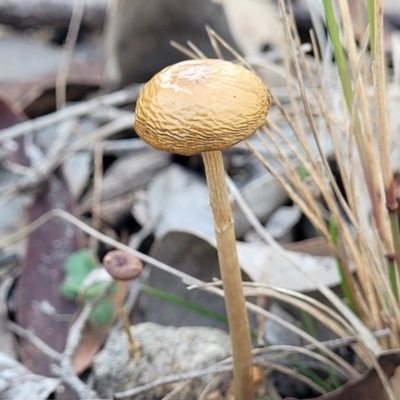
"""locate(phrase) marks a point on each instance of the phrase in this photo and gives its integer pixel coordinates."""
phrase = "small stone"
(164, 351)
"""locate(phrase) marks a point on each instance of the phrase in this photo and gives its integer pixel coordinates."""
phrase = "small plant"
(76, 286)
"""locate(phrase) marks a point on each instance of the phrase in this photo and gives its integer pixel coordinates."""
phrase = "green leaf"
(79, 263)
(102, 313)
(93, 290)
(69, 288)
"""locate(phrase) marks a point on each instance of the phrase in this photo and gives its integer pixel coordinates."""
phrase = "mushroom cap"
(121, 265)
(200, 105)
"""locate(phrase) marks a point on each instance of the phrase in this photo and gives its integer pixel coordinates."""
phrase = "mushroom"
(205, 106)
(123, 266)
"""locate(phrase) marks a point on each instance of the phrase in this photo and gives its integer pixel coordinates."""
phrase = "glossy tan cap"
(200, 105)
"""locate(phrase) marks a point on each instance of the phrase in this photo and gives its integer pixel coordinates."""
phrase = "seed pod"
(122, 265)
(200, 105)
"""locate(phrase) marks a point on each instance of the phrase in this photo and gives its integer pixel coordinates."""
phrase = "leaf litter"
(167, 206)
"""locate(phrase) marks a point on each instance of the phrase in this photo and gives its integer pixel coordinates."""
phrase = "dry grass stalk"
(364, 163)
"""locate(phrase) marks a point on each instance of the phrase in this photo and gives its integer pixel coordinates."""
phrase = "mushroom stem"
(231, 276)
(134, 347)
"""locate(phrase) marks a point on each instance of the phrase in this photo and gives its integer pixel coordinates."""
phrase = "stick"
(124, 96)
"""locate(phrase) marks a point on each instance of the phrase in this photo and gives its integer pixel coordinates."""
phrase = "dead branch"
(124, 96)
(174, 378)
(32, 338)
(33, 176)
(64, 369)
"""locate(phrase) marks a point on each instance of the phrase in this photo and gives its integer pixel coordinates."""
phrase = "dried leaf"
(38, 304)
(43, 269)
(282, 220)
(77, 169)
(11, 212)
(314, 246)
(129, 174)
(179, 200)
(264, 264)
(263, 195)
(17, 382)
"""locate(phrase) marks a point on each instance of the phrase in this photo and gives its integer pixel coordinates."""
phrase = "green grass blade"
(180, 302)
(309, 324)
(343, 282)
(371, 18)
(309, 373)
(338, 52)
(393, 279)
(334, 380)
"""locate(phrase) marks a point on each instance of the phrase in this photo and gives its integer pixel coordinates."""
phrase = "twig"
(226, 366)
(67, 53)
(31, 337)
(97, 189)
(195, 49)
(216, 283)
(76, 329)
(213, 383)
(223, 43)
(124, 96)
(214, 43)
(211, 370)
(334, 343)
(174, 378)
(43, 169)
(40, 166)
(65, 369)
(12, 238)
(105, 114)
(62, 136)
(188, 53)
(175, 392)
(112, 70)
